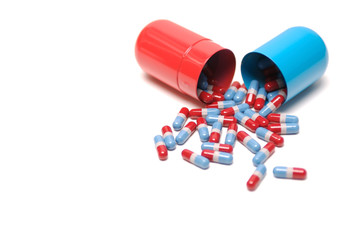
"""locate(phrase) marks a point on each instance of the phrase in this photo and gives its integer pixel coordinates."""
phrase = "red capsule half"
(275, 84)
(204, 96)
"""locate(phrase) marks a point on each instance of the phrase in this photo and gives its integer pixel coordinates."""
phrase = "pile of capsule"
(252, 109)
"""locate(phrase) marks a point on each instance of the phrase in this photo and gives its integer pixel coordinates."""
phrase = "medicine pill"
(275, 84)
(260, 99)
(272, 106)
(169, 140)
(203, 112)
(252, 93)
(204, 96)
(232, 110)
(256, 177)
(247, 141)
(273, 94)
(216, 96)
(225, 120)
(282, 118)
(181, 119)
(215, 88)
(185, 133)
(202, 129)
(284, 128)
(229, 94)
(231, 134)
(215, 132)
(217, 147)
(202, 82)
(246, 122)
(195, 159)
(240, 94)
(221, 104)
(263, 122)
(218, 157)
(161, 148)
(269, 136)
(263, 154)
(290, 172)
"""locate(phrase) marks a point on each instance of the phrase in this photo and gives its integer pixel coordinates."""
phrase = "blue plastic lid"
(300, 55)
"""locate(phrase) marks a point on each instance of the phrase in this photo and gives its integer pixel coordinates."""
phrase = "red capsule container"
(176, 56)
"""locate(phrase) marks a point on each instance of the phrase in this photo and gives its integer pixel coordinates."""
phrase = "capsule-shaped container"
(299, 54)
(176, 56)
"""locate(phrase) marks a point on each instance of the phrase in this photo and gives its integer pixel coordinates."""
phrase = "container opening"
(259, 67)
(219, 69)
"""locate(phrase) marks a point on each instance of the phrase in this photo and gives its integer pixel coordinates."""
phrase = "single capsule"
(195, 159)
(263, 154)
(284, 128)
(246, 122)
(203, 112)
(252, 93)
(247, 141)
(161, 148)
(217, 97)
(185, 133)
(218, 89)
(202, 81)
(168, 138)
(218, 157)
(274, 84)
(204, 96)
(272, 106)
(231, 134)
(217, 147)
(262, 122)
(269, 136)
(260, 99)
(282, 118)
(202, 129)
(181, 119)
(256, 177)
(240, 94)
(232, 110)
(221, 104)
(232, 90)
(225, 120)
(290, 172)
(215, 132)
(273, 94)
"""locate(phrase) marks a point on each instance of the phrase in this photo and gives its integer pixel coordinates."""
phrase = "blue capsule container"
(300, 55)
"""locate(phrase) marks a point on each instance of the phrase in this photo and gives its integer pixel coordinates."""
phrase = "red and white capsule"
(260, 99)
(246, 122)
(225, 120)
(204, 96)
(275, 84)
(269, 136)
(256, 177)
(282, 118)
(203, 112)
(290, 172)
(216, 96)
(252, 93)
(272, 106)
(218, 89)
(161, 148)
(215, 132)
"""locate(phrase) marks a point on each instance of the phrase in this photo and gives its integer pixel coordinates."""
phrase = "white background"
(78, 117)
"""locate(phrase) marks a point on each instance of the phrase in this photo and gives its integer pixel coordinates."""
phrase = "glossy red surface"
(176, 56)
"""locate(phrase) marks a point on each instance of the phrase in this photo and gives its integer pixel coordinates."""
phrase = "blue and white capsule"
(181, 119)
(231, 134)
(247, 141)
(202, 129)
(185, 133)
(195, 159)
(282, 118)
(202, 81)
(168, 138)
(263, 154)
(229, 94)
(218, 157)
(240, 94)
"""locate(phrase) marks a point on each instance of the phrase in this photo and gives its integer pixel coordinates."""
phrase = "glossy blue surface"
(239, 97)
(201, 162)
(225, 158)
(261, 132)
(259, 158)
(230, 139)
(178, 123)
(262, 169)
(182, 137)
(280, 172)
(203, 134)
(170, 142)
(299, 53)
(253, 146)
(158, 138)
(265, 111)
(202, 82)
